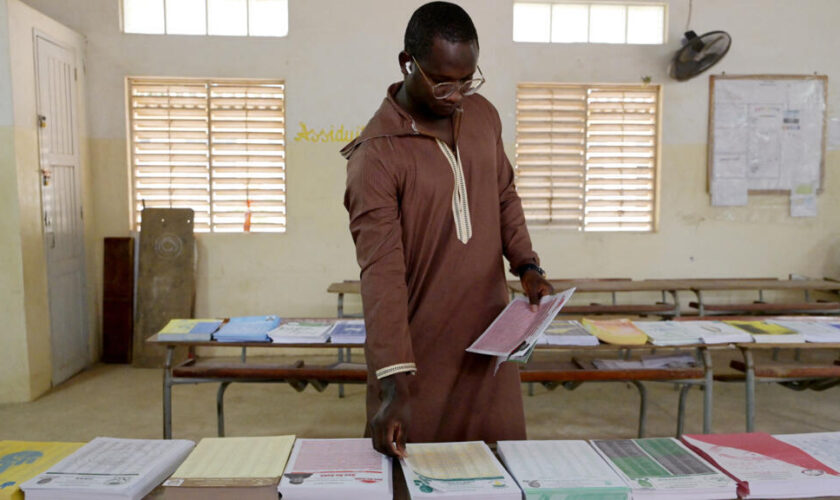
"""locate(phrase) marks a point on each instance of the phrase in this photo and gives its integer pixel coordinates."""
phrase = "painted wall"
(338, 59)
(29, 356)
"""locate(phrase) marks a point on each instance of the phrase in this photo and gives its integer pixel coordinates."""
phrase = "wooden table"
(300, 375)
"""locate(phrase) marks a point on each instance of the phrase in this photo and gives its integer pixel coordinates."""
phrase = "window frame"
(122, 13)
(656, 148)
(589, 4)
(134, 212)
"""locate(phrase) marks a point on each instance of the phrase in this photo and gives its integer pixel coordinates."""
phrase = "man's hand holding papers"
(514, 333)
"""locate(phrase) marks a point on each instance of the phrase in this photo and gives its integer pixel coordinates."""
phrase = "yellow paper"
(761, 327)
(615, 331)
(184, 325)
(237, 458)
(23, 460)
(448, 461)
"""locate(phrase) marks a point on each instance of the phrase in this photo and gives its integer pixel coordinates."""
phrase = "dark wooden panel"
(118, 300)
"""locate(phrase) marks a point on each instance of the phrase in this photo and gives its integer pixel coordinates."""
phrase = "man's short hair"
(437, 19)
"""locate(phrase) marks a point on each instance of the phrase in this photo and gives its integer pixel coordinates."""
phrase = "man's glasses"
(443, 90)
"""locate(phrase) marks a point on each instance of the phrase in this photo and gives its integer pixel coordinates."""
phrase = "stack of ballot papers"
(301, 332)
(664, 468)
(247, 468)
(675, 360)
(561, 470)
(716, 332)
(812, 330)
(766, 467)
(514, 333)
(824, 446)
(22, 460)
(666, 333)
(615, 331)
(247, 329)
(109, 468)
(348, 331)
(466, 470)
(562, 332)
(346, 469)
(191, 330)
(765, 332)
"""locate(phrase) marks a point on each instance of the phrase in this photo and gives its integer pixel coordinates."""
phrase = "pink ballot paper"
(764, 466)
(517, 329)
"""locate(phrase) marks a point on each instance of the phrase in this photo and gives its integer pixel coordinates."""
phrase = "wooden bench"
(760, 306)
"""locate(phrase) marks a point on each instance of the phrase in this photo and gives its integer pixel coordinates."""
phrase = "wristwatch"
(527, 267)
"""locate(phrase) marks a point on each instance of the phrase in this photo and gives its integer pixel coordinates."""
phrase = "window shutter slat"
(215, 146)
(586, 155)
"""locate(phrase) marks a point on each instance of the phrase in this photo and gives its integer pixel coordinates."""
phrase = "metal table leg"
(220, 407)
(708, 383)
(167, 393)
(642, 406)
(340, 360)
(750, 388)
(681, 408)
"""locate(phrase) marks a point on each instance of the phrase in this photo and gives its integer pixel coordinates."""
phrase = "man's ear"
(405, 63)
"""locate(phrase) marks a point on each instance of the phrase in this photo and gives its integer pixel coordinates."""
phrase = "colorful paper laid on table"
(247, 329)
(564, 332)
(766, 467)
(301, 332)
(561, 469)
(347, 469)
(456, 470)
(716, 332)
(349, 331)
(766, 332)
(192, 330)
(664, 468)
(615, 331)
(811, 330)
(667, 333)
(23, 460)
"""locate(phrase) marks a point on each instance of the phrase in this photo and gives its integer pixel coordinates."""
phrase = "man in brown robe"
(433, 209)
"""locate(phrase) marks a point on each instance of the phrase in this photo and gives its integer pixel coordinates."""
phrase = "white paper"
(127, 468)
(833, 134)
(729, 192)
(824, 446)
(803, 200)
(667, 333)
(546, 468)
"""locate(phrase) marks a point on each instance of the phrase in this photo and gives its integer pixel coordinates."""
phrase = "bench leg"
(530, 388)
(220, 408)
(749, 382)
(681, 408)
(167, 393)
(642, 406)
(340, 360)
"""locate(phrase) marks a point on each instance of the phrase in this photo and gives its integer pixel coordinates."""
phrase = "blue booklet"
(247, 329)
(348, 332)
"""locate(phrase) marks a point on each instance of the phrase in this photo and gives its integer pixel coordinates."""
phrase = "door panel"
(61, 195)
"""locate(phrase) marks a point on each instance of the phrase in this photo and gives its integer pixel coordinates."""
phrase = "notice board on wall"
(766, 134)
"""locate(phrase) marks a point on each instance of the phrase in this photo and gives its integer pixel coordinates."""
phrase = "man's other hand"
(535, 286)
(389, 427)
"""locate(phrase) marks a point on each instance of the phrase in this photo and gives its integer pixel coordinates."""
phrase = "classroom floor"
(121, 401)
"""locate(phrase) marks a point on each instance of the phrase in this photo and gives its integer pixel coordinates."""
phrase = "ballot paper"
(514, 333)
(466, 470)
(717, 332)
(811, 330)
(348, 331)
(564, 332)
(664, 468)
(764, 332)
(766, 467)
(667, 333)
(561, 469)
(234, 460)
(824, 446)
(22, 460)
(301, 332)
(347, 469)
(110, 468)
(615, 331)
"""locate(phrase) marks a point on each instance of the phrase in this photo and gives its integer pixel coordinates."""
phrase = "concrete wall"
(339, 57)
(26, 363)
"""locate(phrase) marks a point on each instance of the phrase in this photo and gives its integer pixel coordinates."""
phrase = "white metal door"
(61, 196)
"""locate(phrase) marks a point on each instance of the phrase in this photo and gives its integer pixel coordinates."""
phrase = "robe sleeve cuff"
(394, 369)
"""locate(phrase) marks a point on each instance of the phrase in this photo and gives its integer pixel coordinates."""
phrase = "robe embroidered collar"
(460, 203)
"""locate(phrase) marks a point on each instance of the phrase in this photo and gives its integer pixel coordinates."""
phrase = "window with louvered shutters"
(587, 155)
(216, 146)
